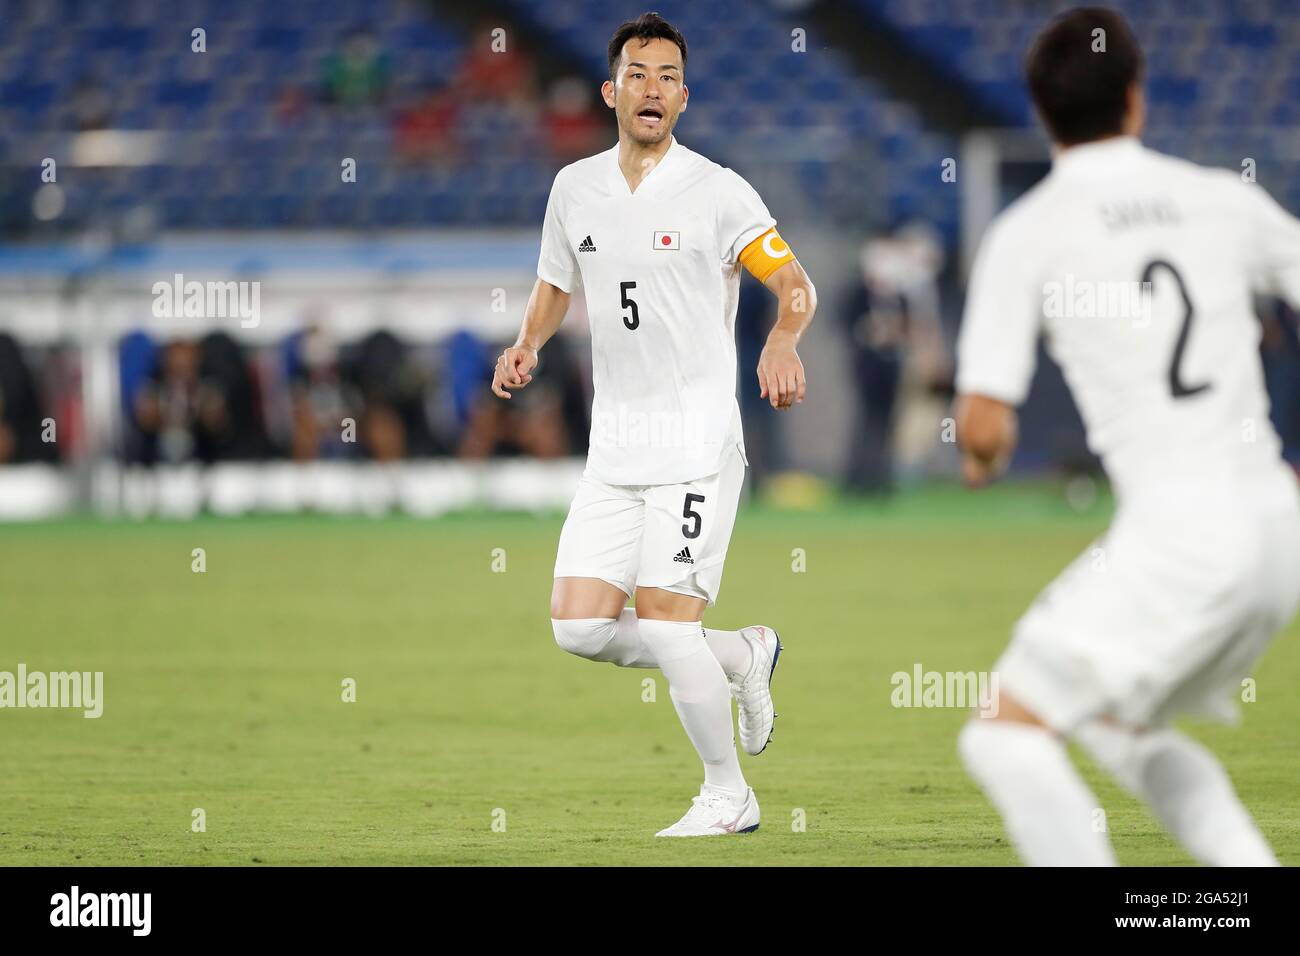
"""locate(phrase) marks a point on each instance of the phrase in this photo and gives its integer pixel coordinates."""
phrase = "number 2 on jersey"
(1176, 386)
(635, 320)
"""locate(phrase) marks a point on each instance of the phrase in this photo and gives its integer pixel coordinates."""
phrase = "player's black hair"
(1079, 77)
(647, 27)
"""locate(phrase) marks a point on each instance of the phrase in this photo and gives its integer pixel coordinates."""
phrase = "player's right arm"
(996, 348)
(557, 275)
(542, 317)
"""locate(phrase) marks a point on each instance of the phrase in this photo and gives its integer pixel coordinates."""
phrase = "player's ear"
(607, 93)
(686, 95)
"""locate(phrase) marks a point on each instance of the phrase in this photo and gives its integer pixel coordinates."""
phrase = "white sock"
(1186, 787)
(1049, 812)
(732, 651)
(699, 691)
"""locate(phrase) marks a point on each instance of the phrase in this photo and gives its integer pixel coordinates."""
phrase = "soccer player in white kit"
(656, 234)
(1167, 613)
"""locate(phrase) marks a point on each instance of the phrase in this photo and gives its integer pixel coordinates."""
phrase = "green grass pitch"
(223, 691)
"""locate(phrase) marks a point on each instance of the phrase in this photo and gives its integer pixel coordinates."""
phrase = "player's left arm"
(1275, 259)
(781, 378)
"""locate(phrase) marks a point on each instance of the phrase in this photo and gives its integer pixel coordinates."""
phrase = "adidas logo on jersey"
(684, 556)
(587, 245)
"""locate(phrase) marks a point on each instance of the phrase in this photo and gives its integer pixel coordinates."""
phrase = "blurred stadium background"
(359, 389)
(883, 134)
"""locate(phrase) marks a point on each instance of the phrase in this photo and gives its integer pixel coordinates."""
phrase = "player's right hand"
(513, 368)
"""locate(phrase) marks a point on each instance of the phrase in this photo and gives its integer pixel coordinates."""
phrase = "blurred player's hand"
(780, 374)
(513, 368)
(978, 472)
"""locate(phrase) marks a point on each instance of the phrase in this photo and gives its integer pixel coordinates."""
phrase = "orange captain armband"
(765, 255)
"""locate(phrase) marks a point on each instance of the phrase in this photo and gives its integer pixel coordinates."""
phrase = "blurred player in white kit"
(1170, 610)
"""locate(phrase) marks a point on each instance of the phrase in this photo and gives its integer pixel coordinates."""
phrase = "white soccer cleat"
(753, 691)
(716, 813)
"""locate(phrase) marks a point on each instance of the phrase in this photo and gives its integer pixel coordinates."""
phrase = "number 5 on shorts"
(687, 530)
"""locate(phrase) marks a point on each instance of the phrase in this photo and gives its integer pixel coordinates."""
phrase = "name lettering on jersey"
(587, 245)
(666, 241)
(1135, 213)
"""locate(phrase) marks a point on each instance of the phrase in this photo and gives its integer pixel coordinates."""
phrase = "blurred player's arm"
(986, 433)
(781, 377)
(1276, 233)
(996, 351)
(542, 317)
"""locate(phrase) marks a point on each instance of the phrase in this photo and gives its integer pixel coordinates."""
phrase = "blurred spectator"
(91, 106)
(230, 409)
(358, 74)
(391, 386)
(892, 315)
(428, 129)
(21, 412)
(548, 419)
(291, 105)
(572, 127)
(166, 406)
(199, 403)
(495, 74)
(318, 406)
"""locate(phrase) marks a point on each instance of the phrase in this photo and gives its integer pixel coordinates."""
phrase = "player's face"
(648, 91)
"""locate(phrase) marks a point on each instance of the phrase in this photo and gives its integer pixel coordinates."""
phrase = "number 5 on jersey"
(634, 320)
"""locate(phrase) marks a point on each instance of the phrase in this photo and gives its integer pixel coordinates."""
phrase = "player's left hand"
(780, 375)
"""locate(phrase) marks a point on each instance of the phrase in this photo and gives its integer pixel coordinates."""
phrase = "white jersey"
(659, 269)
(1167, 376)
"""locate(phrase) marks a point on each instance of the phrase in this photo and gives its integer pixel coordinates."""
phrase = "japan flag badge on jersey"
(668, 240)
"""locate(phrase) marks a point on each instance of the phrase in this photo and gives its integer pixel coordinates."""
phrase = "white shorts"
(1157, 618)
(673, 537)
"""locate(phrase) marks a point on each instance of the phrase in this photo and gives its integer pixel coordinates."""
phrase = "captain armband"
(765, 255)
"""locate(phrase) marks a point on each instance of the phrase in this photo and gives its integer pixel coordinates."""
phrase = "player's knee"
(974, 749)
(584, 637)
(1131, 755)
(1120, 751)
(990, 747)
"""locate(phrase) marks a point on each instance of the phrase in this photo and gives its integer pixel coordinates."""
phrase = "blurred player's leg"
(1186, 787)
(1049, 812)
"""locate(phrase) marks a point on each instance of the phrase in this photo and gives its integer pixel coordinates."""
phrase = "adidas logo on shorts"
(587, 245)
(684, 556)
